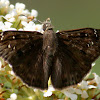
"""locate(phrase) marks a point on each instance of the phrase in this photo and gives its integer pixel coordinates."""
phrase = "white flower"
(38, 27)
(23, 18)
(9, 18)
(31, 26)
(1, 25)
(26, 12)
(34, 13)
(83, 85)
(91, 86)
(49, 91)
(11, 7)
(84, 94)
(47, 94)
(30, 97)
(70, 89)
(70, 95)
(78, 91)
(13, 96)
(69, 92)
(6, 26)
(19, 8)
(4, 3)
(97, 79)
(28, 26)
(12, 73)
(57, 31)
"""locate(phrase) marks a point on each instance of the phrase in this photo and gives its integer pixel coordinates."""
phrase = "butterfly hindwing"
(23, 50)
(76, 51)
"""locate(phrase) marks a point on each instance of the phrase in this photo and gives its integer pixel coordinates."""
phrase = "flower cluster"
(16, 17)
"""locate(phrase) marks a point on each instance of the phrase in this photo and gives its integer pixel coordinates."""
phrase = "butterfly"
(65, 56)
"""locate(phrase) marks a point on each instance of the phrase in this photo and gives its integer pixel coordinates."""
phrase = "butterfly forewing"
(23, 50)
(76, 51)
(84, 42)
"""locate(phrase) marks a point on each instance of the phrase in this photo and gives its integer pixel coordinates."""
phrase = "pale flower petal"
(26, 12)
(78, 91)
(34, 13)
(70, 89)
(93, 64)
(11, 7)
(91, 86)
(13, 96)
(30, 97)
(83, 85)
(22, 18)
(84, 94)
(73, 97)
(24, 23)
(1, 25)
(38, 27)
(49, 91)
(29, 26)
(96, 78)
(47, 94)
(19, 7)
(9, 18)
(7, 26)
(4, 3)
(70, 95)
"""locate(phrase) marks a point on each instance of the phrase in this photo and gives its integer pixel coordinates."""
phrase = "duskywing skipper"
(65, 56)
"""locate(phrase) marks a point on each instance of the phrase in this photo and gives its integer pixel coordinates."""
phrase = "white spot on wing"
(48, 46)
(88, 45)
(85, 34)
(14, 48)
(92, 43)
(13, 37)
(2, 37)
(95, 32)
(9, 46)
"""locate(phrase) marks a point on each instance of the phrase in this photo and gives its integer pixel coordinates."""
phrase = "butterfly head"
(47, 25)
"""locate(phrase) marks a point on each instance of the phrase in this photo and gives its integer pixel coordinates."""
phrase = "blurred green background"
(68, 14)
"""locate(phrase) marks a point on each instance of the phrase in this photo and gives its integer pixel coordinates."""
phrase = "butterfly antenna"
(40, 21)
(32, 18)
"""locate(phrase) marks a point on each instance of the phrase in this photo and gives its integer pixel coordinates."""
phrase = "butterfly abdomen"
(49, 49)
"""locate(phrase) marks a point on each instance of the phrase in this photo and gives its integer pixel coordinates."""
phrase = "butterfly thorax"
(49, 38)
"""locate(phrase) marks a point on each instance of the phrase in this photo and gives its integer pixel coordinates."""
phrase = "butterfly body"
(65, 56)
(49, 48)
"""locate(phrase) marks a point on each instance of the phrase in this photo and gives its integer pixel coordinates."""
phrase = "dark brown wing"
(23, 50)
(77, 49)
